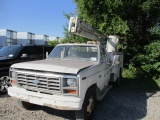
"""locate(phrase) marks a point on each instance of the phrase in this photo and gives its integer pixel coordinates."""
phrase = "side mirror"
(10, 55)
(24, 56)
(46, 54)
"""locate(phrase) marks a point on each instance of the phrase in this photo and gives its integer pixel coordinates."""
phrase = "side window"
(58, 52)
(40, 52)
(30, 52)
(107, 58)
(103, 57)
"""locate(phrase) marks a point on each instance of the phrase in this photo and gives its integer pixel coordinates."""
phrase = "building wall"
(25, 38)
(2, 41)
(51, 38)
(39, 42)
(22, 35)
(3, 32)
(40, 39)
(8, 37)
(22, 41)
(3, 37)
(22, 38)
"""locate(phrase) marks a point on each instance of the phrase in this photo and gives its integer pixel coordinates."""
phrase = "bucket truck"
(73, 76)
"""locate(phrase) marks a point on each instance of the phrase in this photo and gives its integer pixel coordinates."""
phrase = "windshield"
(10, 51)
(86, 53)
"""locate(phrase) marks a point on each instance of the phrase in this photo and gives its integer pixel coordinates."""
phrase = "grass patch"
(158, 82)
(146, 84)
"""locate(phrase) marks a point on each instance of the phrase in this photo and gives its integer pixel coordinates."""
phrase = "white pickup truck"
(72, 77)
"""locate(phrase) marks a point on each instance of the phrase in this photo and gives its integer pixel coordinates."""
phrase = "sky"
(36, 16)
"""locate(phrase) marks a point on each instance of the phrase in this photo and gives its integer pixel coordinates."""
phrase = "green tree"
(149, 60)
(131, 19)
(136, 21)
(53, 43)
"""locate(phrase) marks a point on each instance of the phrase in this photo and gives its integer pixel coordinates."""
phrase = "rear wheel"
(86, 113)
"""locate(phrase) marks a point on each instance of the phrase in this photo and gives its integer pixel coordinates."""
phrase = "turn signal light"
(13, 82)
(71, 92)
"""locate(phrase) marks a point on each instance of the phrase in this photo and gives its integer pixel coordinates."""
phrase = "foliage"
(129, 73)
(136, 21)
(131, 19)
(155, 30)
(149, 60)
(138, 24)
(102, 15)
(53, 43)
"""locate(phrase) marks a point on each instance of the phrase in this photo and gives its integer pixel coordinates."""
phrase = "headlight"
(71, 82)
(70, 86)
(13, 74)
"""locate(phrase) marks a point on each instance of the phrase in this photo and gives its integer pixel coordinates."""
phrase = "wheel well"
(93, 87)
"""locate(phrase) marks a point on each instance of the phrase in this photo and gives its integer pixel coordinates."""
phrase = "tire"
(86, 113)
(3, 92)
(4, 84)
(26, 105)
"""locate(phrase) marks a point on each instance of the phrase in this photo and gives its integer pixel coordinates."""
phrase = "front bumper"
(55, 101)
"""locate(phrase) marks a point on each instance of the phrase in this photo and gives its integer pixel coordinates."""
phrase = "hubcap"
(4, 84)
(90, 106)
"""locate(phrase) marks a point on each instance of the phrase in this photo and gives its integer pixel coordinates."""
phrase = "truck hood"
(55, 65)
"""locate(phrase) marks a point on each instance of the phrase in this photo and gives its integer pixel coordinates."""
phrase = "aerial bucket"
(112, 43)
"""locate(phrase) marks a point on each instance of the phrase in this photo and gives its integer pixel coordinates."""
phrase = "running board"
(102, 93)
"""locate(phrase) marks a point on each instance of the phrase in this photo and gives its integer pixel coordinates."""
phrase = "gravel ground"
(119, 104)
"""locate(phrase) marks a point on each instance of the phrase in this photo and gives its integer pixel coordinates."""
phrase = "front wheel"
(86, 113)
(4, 84)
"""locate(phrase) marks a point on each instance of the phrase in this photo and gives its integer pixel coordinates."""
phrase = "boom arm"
(78, 27)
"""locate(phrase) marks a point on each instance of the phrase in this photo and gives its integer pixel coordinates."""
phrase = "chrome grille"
(48, 85)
